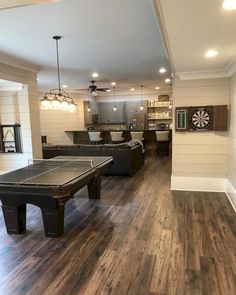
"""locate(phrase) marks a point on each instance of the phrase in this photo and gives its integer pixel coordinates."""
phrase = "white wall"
(54, 123)
(231, 184)
(21, 107)
(200, 159)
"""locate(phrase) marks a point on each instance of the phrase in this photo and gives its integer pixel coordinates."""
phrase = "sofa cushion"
(116, 146)
(69, 147)
(91, 146)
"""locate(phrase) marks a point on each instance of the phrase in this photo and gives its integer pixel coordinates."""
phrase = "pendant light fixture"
(114, 106)
(89, 108)
(58, 99)
(141, 98)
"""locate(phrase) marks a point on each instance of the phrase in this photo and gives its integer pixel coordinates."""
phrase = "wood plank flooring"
(140, 238)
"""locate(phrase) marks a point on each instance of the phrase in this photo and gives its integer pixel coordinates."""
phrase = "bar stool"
(95, 137)
(162, 143)
(137, 135)
(117, 137)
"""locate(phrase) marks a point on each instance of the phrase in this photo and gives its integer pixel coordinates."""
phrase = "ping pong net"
(59, 162)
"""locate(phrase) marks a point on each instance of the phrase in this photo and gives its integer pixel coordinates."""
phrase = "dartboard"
(200, 119)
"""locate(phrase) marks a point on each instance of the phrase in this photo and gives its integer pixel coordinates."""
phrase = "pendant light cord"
(114, 88)
(58, 64)
(141, 97)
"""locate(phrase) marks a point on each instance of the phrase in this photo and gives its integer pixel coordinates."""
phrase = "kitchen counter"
(81, 136)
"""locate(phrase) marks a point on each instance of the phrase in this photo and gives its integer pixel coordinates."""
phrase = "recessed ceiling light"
(157, 88)
(211, 53)
(167, 80)
(64, 86)
(94, 75)
(108, 90)
(113, 83)
(229, 4)
(132, 89)
(162, 70)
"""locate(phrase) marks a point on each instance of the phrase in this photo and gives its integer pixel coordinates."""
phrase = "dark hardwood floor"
(140, 238)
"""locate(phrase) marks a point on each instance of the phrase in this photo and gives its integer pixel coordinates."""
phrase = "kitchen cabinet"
(108, 116)
(134, 107)
(91, 117)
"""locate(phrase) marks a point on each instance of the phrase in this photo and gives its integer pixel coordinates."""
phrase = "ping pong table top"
(53, 172)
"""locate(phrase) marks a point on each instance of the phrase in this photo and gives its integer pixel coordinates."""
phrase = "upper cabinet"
(91, 112)
(134, 106)
(108, 116)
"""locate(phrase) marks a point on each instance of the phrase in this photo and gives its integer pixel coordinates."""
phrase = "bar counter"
(82, 137)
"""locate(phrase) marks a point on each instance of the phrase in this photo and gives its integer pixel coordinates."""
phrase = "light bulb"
(141, 107)
(162, 70)
(94, 75)
(211, 53)
(71, 107)
(64, 105)
(89, 109)
(56, 105)
(114, 109)
(229, 4)
(46, 103)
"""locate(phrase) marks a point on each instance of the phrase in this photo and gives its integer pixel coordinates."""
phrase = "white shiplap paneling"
(200, 159)
(231, 184)
(55, 123)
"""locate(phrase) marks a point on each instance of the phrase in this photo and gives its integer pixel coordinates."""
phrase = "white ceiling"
(193, 27)
(120, 40)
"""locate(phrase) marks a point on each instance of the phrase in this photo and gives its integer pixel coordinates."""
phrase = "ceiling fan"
(93, 89)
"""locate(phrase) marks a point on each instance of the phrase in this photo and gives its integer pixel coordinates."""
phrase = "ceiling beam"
(5, 4)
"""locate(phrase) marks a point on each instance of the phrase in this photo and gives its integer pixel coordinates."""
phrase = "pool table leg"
(15, 218)
(53, 221)
(94, 187)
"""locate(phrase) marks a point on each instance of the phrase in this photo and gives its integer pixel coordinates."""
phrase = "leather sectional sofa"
(127, 157)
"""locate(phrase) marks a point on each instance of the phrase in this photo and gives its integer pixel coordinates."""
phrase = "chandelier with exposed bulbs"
(58, 99)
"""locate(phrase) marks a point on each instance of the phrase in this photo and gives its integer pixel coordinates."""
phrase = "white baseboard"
(231, 193)
(203, 184)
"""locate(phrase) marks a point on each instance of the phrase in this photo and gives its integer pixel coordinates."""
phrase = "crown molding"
(231, 68)
(18, 63)
(197, 75)
(16, 3)
(228, 71)
(161, 22)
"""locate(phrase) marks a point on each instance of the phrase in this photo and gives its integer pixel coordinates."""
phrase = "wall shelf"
(170, 118)
(10, 138)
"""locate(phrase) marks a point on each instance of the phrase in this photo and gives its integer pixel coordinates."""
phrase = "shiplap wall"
(54, 123)
(20, 107)
(231, 184)
(14, 108)
(200, 160)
